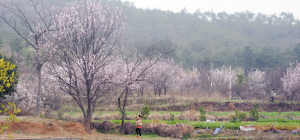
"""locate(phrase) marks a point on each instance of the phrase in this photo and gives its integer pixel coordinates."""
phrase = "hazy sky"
(230, 6)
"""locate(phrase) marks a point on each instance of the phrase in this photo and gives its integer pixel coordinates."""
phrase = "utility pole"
(211, 68)
(230, 82)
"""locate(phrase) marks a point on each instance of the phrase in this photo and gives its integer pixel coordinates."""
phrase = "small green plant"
(202, 114)
(254, 112)
(172, 117)
(238, 117)
(203, 136)
(72, 113)
(60, 115)
(187, 136)
(12, 116)
(145, 112)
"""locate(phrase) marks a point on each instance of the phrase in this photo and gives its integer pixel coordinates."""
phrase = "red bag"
(139, 126)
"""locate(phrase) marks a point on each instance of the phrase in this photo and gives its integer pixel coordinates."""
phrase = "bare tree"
(31, 20)
(273, 80)
(137, 64)
(85, 41)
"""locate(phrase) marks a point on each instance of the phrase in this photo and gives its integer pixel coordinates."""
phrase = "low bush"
(60, 115)
(13, 111)
(145, 112)
(202, 114)
(172, 117)
(254, 112)
(238, 117)
(105, 127)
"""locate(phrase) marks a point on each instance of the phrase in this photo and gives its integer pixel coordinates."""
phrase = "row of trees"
(79, 47)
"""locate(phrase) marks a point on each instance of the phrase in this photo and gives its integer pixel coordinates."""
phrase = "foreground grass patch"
(196, 124)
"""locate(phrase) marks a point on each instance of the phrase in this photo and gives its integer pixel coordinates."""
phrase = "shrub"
(9, 76)
(11, 118)
(172, 117)
(254, 112)
(60, 115)
(145, 112)
(202, 114)
(238, 117)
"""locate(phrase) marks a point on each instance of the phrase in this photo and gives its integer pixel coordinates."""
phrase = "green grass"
(227, 125)
(130, 113)
(266, 114)
(203, 136)
(278, 120)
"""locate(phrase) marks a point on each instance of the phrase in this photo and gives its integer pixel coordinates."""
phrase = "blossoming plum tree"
(291, 82)
(84, 45)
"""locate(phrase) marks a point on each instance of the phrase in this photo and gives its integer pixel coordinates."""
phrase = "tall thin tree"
(31, 20)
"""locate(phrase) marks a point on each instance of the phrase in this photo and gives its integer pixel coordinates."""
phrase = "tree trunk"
(159, 91)
(123, 109)
(88, 123)
(123, 118)
(165, 89)
(142, 91)
(38, 99)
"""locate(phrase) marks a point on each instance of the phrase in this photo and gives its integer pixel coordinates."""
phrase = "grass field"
(272, 115)
(293, 124)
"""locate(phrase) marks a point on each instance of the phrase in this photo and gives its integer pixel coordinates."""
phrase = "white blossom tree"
(31, 20)
(162, 75)
(187, 80)
(291, 82)
(85, 42)
(221, 79)
(138, 60)
(25, 96)
(256, 82)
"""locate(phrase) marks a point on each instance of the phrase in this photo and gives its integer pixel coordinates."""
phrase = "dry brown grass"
(158, 116)
(113, 116)
(189, 115)
(164, 130)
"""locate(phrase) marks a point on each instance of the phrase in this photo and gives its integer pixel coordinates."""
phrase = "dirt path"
(93, 136)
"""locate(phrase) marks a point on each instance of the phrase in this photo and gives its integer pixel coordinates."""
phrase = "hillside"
(207, 36)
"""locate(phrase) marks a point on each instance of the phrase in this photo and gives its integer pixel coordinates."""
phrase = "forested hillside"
(241, 39)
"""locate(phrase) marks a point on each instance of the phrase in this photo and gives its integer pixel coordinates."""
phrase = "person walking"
(273, 94)
(138, 122)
